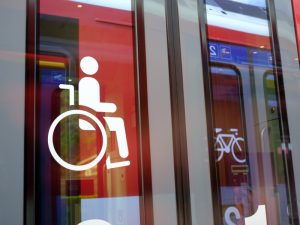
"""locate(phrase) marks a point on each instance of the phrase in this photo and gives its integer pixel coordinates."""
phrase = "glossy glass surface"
(195, 114)
(87, 119)
(296, 4)
(251, 153)
(12, 101)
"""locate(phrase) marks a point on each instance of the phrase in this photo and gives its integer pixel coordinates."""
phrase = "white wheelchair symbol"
(89, 96)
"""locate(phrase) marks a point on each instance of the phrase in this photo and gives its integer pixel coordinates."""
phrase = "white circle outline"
(58, 159)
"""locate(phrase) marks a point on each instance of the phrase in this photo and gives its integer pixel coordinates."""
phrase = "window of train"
(87, 147)
(251, 161)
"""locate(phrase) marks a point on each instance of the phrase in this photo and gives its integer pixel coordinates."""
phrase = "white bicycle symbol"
(89, 96)
(226, 143)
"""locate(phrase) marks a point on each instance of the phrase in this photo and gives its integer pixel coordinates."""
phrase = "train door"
(250, 81)
(88, 94)
(228, 78)
(249, 155)
(86, 127)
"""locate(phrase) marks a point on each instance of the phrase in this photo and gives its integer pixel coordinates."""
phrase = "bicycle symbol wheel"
(236, 150)
(219, 148)
(58, 159)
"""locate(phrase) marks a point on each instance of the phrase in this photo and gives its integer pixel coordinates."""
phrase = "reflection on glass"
(91, 107)
(259, 3)
(251, 144)
(296, 8)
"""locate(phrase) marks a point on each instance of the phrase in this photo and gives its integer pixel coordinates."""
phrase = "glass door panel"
(296, 4)
(252, 161)
(87, 123)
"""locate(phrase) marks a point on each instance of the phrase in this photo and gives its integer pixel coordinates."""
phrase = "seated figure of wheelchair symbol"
(229, 142)
(89, 96)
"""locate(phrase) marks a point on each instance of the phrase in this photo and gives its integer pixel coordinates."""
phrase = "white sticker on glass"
(259, 218)
(232, 214)
(229, 142)
(94, 222)
(89, 96)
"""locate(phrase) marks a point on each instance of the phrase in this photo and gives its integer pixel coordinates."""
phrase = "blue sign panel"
(228, 53)
(262, 58)
(234, 54)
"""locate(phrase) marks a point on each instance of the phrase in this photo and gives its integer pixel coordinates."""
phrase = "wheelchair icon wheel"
(58, 159)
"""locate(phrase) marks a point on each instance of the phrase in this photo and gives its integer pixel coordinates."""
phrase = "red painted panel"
(107, 35)
(112, 46)
(70, 9)
(237, 37)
